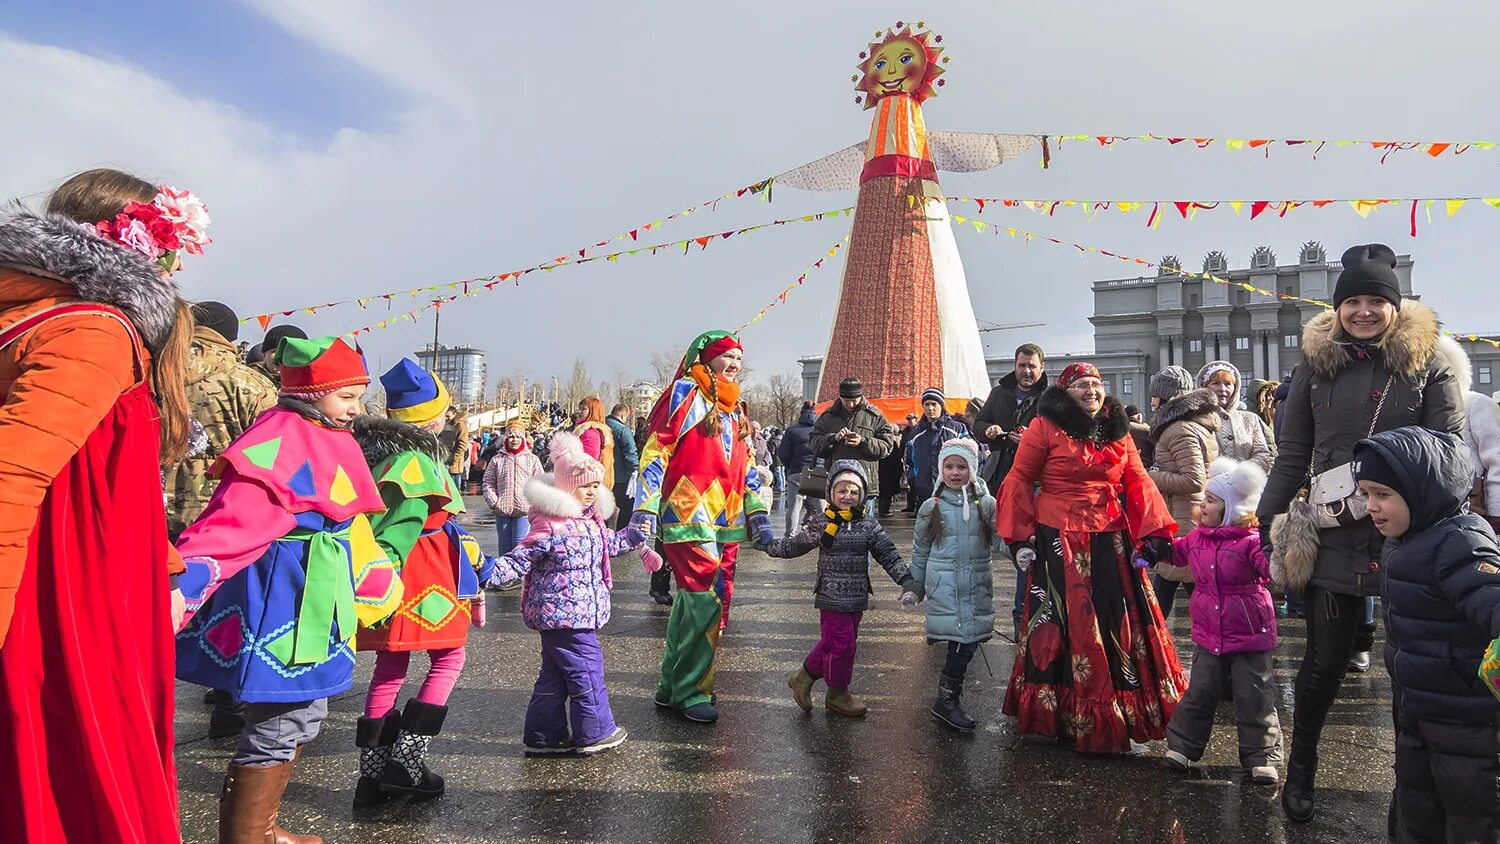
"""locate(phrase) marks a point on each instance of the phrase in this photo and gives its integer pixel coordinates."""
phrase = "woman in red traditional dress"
(92, 350)
(1096, 667)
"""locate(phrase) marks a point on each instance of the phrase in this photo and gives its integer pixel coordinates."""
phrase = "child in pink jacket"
(1234, 625)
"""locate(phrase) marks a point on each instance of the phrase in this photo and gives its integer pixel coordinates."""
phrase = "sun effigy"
(904, 321)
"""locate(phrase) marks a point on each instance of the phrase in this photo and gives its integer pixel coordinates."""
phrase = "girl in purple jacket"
(565, 560)
(1234, 625)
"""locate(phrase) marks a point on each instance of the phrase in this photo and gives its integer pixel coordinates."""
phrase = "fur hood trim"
(1198, 406)
(550, 502)
(1110, 425)
(1408, 348)
(99, 270)
(1458, 360)
(380, 437)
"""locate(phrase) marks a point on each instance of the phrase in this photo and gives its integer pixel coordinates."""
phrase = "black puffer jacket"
(1332, 402)
(844, 563)
(795, 449)
(1442, 581)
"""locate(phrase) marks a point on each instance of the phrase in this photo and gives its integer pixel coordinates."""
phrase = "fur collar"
(1196, 405)
(1458, 361)
(549, 501)
(1110, 425)
(380, 437)
(99, 270)
(1408, 349)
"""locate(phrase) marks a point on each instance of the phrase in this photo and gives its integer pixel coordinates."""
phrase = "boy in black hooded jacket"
(1442, 603)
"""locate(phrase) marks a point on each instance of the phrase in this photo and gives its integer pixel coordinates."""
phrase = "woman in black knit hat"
(1371, 365)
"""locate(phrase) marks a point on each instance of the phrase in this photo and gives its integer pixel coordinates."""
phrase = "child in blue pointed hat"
(441, 567)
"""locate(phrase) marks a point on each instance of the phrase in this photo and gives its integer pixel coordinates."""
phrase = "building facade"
(1146, 323)
(462, 369)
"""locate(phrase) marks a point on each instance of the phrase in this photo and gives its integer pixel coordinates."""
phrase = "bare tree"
(664, 366)
(579, 385)
(785, 397)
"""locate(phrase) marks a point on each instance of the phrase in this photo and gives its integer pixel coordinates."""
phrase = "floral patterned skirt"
(1097, 666)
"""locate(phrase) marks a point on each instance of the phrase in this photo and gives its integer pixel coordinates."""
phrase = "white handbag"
(1336, 497)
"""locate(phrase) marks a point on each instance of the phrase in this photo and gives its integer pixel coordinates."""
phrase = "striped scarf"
(838, 520)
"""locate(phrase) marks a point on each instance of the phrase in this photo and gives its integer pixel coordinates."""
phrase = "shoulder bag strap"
(15, 332)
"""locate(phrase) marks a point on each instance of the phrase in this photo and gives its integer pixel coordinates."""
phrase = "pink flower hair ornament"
(173, 221)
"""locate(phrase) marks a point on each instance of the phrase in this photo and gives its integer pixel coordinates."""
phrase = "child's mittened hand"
(908, 601)
(476, 607)
(650, 559)
(645, 523)
(760, 529)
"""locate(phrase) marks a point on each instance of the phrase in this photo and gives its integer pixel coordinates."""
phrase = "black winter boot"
(1297, 794)
(946, 708)
(227, 717)
(407, 772)
(374, 738)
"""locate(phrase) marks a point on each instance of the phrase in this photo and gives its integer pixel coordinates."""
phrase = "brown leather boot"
(801, 685)
(840, 702)
(250, 801)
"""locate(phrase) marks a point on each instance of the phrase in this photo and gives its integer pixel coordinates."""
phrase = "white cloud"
(522, 133)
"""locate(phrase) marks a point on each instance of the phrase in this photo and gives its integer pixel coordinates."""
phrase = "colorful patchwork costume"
(700, 491)
(440, 567)
(282, 567)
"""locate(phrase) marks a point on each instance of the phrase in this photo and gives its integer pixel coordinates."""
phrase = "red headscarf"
(1076, 372)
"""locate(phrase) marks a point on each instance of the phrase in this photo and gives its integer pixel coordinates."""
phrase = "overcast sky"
(348, 148)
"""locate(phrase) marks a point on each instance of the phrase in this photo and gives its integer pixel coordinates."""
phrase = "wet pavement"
(769, 772)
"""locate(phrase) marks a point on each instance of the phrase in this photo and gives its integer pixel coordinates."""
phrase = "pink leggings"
(390, 673)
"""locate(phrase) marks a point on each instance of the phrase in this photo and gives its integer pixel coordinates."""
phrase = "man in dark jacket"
(933, 432)
(627, 461)
(854, 430)
(795, 453)
(1009, 409)
(1442, 600)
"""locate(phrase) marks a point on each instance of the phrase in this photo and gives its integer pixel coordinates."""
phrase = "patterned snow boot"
(406, 773)
(947, 709)
(374, 738)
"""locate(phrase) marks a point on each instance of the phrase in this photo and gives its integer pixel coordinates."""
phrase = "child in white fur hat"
(1234, 625)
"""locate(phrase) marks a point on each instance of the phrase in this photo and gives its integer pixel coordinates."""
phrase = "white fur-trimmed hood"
(548, 501)
(99, 270)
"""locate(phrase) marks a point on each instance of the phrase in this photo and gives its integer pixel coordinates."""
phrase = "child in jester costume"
(282, 566)
(441, 569)
(699, 491)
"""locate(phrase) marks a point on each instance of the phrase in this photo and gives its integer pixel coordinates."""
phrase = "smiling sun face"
(903, 62)
(899, 67)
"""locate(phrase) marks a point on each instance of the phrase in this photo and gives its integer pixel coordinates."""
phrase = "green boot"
(840, 702)
(801, 685)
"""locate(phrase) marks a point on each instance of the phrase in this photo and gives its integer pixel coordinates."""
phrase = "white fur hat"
(1238, 484)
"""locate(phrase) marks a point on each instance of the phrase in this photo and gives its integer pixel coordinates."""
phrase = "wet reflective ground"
(769, 772)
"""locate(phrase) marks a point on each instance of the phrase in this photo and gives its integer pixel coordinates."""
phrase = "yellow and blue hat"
(412, 394)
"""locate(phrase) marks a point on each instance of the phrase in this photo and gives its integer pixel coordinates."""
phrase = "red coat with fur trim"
(1083, 464)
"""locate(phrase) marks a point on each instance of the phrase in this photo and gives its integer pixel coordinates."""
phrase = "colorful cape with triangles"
(304, 467)
(418, 476)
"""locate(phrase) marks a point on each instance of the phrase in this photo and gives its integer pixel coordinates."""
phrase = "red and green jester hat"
(698, 481)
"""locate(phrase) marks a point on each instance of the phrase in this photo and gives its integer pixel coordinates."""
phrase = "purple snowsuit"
(565, 561)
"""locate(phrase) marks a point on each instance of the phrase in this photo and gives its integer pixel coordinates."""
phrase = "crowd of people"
(263, 526)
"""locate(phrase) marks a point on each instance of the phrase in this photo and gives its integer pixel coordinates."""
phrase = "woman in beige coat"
(1185, 444)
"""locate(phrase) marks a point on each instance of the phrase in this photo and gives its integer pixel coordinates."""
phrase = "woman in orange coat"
(1096, 667)
(92, 350)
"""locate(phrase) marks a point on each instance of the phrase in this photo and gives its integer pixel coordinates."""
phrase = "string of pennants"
(801, 277)
(465, 286)
(1432, 149)
(1188, 209)
(473, 287)
(983, 226)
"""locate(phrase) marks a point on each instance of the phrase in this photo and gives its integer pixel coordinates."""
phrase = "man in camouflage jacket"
(225, 396)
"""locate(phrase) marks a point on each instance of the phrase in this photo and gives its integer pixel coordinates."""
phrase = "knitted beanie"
(218, 318)
(850, 388)
(933, 394)
(1214, 367)
(572, 467)
(1171, 383)
(1369, 270)
(968, 450)
(1238, 484)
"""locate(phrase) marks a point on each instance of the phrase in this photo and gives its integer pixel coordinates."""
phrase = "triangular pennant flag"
(264, 320)
(1454, 205)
